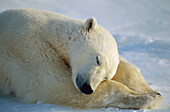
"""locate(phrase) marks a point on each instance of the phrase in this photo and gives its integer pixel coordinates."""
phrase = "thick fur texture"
(48, 57)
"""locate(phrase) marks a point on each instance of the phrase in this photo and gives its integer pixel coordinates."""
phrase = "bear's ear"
(90, 24)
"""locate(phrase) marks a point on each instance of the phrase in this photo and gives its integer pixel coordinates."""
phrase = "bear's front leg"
(109, 94)
(120, 96)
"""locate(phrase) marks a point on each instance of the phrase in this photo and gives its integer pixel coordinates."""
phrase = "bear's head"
(93, 55)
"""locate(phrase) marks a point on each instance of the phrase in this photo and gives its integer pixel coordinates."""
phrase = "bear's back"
(23, 22)
(29, 14)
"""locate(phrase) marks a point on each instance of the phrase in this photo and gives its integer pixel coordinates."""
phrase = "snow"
(142, 31)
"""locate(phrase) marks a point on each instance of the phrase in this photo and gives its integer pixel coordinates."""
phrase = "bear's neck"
(59, 38)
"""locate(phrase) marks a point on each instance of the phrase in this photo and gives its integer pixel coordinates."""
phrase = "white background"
(142, 31)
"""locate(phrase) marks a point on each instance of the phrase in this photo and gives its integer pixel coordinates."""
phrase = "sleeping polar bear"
(52, 58)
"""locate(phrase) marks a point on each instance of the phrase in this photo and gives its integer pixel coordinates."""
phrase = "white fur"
(42, 53)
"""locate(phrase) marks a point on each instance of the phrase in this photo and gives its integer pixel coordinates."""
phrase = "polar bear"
(56, 59)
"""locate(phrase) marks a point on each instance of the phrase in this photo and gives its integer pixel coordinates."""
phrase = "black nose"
(86, 89)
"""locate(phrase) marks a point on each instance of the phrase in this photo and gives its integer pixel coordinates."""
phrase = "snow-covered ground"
(142, 31)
